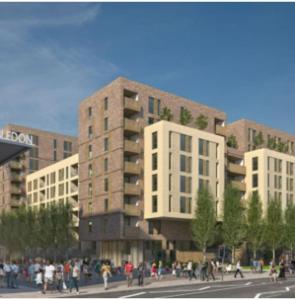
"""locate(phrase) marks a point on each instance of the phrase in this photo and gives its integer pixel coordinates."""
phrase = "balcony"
(131, 189)
(239, 185)
(74, 188)
(15, 202)
(131, 106)
(15, 165)
(131, 168)
(16, 178)
(131, 147)
(131, 127)
(220, 130)
(131, 232)
(131, 210)
(15, 190)
(236, 169)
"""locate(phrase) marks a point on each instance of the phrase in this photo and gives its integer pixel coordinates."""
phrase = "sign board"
(17, 137)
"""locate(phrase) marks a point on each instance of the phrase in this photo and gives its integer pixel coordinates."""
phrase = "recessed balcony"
(131, 168)
(131, 127)
(236, 169)
(131, 189)
(131, 210)
(131, 106)
(220, 130)
(239, 185)
(131, 147)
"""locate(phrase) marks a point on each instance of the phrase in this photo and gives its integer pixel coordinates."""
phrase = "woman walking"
(106, 273)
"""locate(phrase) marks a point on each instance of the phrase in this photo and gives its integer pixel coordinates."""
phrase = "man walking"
(129, 273)
(141, 271)
(239, 270)
(75, 276)
(211, 267)
(7, 271)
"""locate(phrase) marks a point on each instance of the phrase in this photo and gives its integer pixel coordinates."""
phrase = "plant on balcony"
(232, 141)
(185, 116)
(166, 114)
(255, 224)
(203, 224)
(201, 122)
(271, 143)
(233, 226)
(282, 147)
(258, 140)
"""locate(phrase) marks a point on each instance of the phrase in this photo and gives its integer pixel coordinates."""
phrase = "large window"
(203, 184)
(185, 163)
(154, 161)
(154, 182)
(203, 167)
(155, 140)
(254, 163)
(34, 165)
(185, 184)
(254, 180)
(154, 204)
(203, 147)
(185, 143)
(185, 204)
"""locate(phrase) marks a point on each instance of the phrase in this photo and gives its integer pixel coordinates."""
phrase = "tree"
(166, 114)
(289, 230)
(203, 224)
(233, 227)
(274, 225)
(185, 116)
(201, 122)
(255, 224)
(258, 139)
(232, 141)
(271, 144)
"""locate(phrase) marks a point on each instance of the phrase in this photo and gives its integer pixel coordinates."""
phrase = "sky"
(236, 57)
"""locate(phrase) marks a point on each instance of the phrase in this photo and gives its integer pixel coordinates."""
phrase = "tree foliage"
(203, 224)
(185, 116)
(166, 114)
(233, 227)
(201, 122)
(232, 141)
(289, 230)
(258, 139)
(255, 224)
(48, 230)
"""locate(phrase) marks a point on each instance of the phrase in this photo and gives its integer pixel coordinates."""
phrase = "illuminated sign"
(17, 137)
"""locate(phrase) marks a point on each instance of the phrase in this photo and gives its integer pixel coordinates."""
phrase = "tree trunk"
(204, 253)
(291, 248)
(274, 255)
(254, 254)
(233, 255)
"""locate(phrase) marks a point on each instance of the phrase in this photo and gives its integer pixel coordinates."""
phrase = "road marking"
(287, 289)
(248, 283)
(204, 288)
(133, 295)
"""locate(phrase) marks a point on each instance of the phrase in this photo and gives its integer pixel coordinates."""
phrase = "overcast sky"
(237, 57)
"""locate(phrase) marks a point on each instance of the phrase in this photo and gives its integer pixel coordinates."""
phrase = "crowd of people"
(65, 276)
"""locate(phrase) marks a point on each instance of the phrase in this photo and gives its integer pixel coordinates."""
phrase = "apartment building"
(57, 183)
(271, 174)
(48, 148)
(111, 170)
(178, 162)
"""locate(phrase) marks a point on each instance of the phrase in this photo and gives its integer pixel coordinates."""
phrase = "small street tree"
(203, 224)
(274, 226)
(233, 227)
(201, 122)
(289, 228)
(255, 224)
(166, 114)
(185, 116)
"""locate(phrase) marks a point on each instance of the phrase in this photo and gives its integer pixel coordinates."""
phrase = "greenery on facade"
(203, 224)
(232, 141)
(258, 140)
(185, 116)
(47, 231)
(166, 114)
(201, 122)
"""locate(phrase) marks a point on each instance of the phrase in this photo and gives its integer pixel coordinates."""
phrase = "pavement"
(252, 286)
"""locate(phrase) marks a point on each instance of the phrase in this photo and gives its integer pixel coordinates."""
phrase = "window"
(155, 140)
(106, 103)
(52, 178)
(89, 112)
(185, 143)
(154, 161)
(52, 191)
(90, 133)
(170, 160)
(33, 165)
(106, 124)
(170, 182)
(106, 164)
(170, 203)
(203, 147)
(89, 151)
(67, 146)
(106, 184)
(154, 204)
(185, 163)
(90, 170)
(154, 182)
(35, 139)
(106, 144)
(185, 204)
(61, 174)
(55, 155)
(158, 107)
(254, 180)
(151, 120)
(106, 204)
(203, 167)
(254, 163)
(151, 105)
(54, 144)
(90, 189)
(203, 183)
(30, 186)
(61, 189)
(185, 184)
(34, 152)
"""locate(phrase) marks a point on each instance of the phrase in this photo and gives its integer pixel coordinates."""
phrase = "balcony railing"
(131, 189)
(236, 169)
(239, 185)
(131, 210)
(15, 190)
(15, 165)
(131, 231)
(131, 147)
(131, 126)
(16, 178)
(131, 168)
(220, 130)
(131, 105)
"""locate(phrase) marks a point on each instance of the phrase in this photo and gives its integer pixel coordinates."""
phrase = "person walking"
(67, 270)
(2, 274)
(75, 276)
(7, 270)
(49, 272)
(129, 273)
(239, 270)
(59, 276)
(39, 279)
(14, 275)
(106, 273)
(141, 271)
(282, 274)
(190, 270)
(210, 270)
(160, 270)
(154, 271)
(273, 273)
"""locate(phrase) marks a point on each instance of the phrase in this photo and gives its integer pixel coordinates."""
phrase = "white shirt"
(49, 272)
(36, 267)
(7, 268)
(39, 278)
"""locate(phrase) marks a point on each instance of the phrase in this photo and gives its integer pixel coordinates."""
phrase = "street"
(254, 288)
